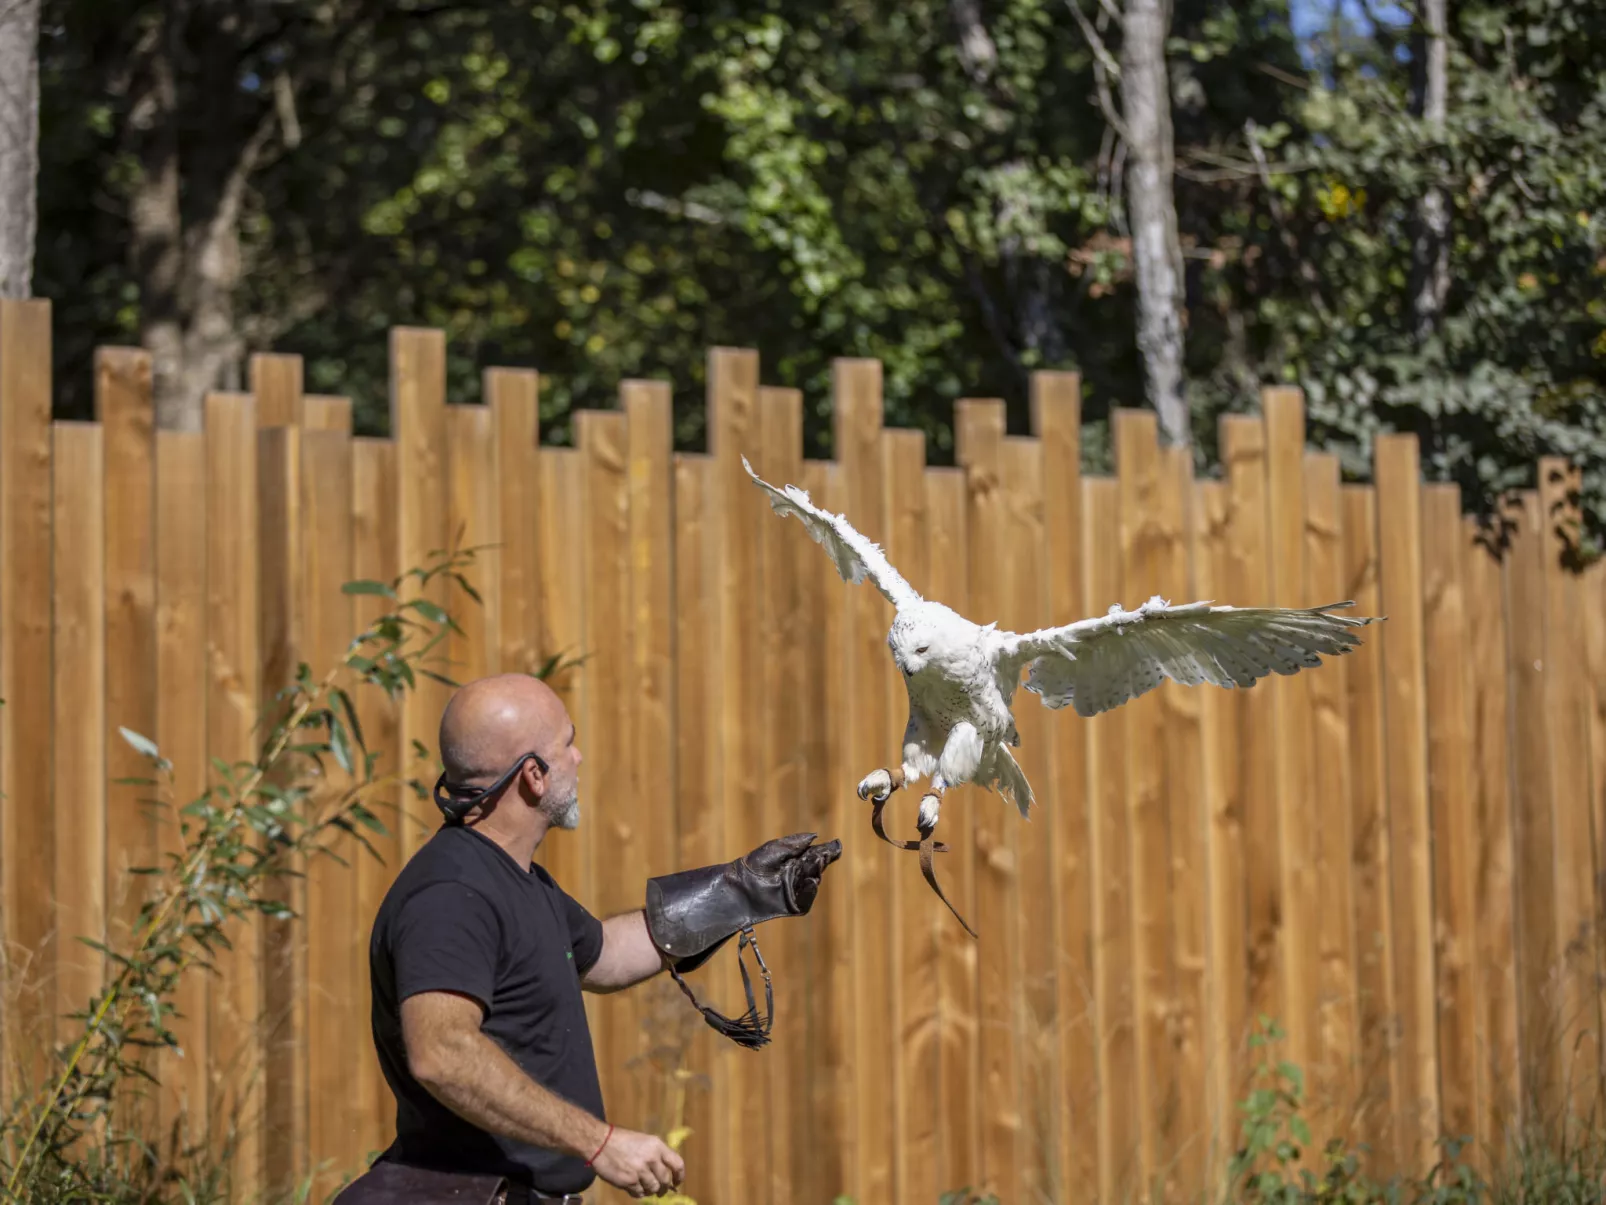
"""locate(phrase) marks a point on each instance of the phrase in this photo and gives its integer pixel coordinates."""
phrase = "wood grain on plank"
(979, 440)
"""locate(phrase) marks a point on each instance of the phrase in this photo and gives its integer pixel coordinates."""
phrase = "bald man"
(478, 960)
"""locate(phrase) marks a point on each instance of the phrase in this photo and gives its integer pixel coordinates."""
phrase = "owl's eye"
(922, 648)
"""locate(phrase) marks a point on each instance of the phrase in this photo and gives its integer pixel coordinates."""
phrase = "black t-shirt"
(462, 916)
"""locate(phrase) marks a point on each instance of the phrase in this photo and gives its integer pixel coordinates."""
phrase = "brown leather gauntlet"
(691, 913)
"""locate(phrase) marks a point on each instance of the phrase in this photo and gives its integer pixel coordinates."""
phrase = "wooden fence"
(1395, 856)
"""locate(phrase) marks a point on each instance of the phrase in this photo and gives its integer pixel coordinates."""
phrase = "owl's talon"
(878, 785)
(930, 804)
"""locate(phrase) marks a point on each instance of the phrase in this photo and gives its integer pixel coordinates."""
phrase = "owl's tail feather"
(1007, 778)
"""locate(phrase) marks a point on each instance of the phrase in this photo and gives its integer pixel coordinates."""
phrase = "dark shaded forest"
(1399, 210)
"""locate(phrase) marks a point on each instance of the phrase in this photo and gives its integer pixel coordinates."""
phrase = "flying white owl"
(961, 676)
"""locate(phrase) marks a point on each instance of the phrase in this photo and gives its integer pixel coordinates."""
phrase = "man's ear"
(534, 781)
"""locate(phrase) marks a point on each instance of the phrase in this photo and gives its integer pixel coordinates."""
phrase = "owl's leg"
(879, 784)
(930, 805)
(961, 754)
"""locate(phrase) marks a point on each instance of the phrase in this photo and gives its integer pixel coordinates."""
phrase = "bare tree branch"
(1307, 270)
(1104, 67)
(977, 52)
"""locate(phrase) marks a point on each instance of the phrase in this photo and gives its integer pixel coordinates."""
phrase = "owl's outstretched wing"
(855, 556)
(1097, 664)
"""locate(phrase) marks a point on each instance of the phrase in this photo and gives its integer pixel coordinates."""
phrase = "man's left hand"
(795, 865)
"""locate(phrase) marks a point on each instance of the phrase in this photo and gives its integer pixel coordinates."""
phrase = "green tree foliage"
(605, 188)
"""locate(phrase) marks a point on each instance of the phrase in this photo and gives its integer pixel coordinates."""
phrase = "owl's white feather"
(855, 556)
(961, 676)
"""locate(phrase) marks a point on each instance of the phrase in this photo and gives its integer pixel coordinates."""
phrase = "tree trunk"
(1430, 253)
(1152, 212)
(19, 144)
(157, 246)
(187, 271)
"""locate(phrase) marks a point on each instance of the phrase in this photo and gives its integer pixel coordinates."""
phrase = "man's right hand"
(641, 1164)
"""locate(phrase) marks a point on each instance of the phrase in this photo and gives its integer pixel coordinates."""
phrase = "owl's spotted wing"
(856, 557)
(1097, 664)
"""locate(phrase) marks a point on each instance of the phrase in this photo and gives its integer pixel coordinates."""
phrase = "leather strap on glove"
(691, 913)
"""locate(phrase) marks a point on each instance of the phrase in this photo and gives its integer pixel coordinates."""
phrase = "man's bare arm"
(474, 1078)
(628, 955)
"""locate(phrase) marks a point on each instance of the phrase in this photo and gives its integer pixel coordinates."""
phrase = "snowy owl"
(961, 676)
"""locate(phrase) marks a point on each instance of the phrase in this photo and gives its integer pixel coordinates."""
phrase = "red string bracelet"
(605, 1138)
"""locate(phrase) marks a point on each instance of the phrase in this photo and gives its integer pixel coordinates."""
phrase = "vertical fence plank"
(701, 834)
(1227, 980)
(320, 412)
(337, 1037)
(79, 638)
(979, 446)
(603, 442)
(276, 383)
(122, 400)
(560, 514)
(913, 913)
(474, 521)
(1370, 863)
(418, 425)
(1450, 762)
(650, 427)
(1334, 914)
(833, 812)
(1187, 1022)
(27, 839)
(1540, 1036)
(779, 459)
(374, 558)
(1114, 957)
(1246, 582)
(1497, 1081)
(732, 433)
(1056, 405)
(1405, 760)
(1593, 608)
(181, 731)
(856, 406)
(514, 398)
(1289, 702)
(1565, 691)
(235, 1014)
(282, 646)
(124, 404)
(959, 1049)
(1144, 540)
(1033, 1020)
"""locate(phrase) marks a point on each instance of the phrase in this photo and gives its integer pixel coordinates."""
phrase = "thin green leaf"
(365, 586)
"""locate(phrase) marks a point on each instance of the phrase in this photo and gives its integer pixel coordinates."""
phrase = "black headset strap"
(456, 801)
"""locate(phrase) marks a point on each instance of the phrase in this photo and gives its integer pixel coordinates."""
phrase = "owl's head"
(915, 640)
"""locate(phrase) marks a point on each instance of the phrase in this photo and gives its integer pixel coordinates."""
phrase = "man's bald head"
(492, 722)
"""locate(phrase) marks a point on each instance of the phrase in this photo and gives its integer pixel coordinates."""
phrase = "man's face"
(561, 801)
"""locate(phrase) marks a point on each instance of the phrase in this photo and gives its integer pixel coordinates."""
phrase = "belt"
(520, 1194)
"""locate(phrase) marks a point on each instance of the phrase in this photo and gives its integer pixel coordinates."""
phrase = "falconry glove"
(691, 913)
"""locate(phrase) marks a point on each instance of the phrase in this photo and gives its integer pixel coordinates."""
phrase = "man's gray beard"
(564, 813)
